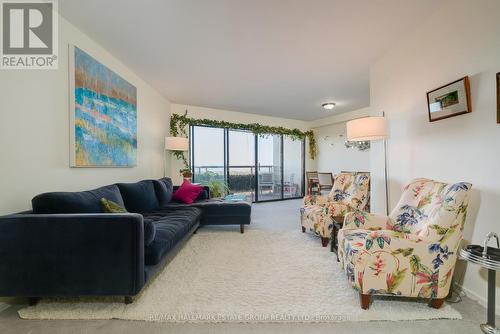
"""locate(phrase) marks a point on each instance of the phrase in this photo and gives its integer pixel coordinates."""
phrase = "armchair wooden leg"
(303, 229)
(242, 228)
(365, 301)
(325, 241)
(436, 303)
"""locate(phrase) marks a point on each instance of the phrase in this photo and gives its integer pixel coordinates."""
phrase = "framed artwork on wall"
(103, 114)
(498, 97)
(449, 100)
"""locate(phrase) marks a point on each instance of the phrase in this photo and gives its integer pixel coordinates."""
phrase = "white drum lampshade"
(176, 143)
(366, 129)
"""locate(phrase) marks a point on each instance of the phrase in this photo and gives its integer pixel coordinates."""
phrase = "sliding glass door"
(293, 174)
(261, 167)
(269, 164)
(207, 154)
(241, 163)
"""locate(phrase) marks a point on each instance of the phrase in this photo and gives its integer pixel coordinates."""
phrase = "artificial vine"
(179, 123)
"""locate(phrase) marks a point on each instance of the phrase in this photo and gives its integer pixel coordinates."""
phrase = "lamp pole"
(386, 179)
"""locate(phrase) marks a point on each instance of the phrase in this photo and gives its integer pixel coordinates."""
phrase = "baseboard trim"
(481, 300)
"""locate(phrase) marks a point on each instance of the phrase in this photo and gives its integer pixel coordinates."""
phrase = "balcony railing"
(242, 180)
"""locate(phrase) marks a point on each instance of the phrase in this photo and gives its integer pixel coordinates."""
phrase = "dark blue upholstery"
(139, 197)
(164, 190)
(71, 255)
(68, 247)
(149, 231)
(171, 226)
(219, 212)
(76, 202)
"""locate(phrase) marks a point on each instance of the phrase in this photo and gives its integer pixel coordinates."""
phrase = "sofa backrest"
(164, 190)
(352, 188)
(75, 202)
(427, 208)
(139, 197)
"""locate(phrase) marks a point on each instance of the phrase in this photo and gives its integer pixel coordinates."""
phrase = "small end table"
(338, 222)
(489, 258)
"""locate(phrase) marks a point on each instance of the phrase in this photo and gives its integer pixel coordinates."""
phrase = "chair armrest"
(405, 262)
(318, 200)
(358, 219)
(71, 254)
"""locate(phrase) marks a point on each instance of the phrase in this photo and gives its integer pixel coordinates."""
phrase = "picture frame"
(103, 114)
(498, 97)
(450, 100)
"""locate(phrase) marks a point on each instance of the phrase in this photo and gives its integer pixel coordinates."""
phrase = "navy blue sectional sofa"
(66, 246)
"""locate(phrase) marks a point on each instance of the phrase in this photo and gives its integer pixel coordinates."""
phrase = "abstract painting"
(103, 113)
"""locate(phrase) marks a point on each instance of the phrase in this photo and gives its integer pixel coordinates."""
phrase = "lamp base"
(488, 329)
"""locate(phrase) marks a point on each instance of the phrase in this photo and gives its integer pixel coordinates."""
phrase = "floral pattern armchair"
(412, 252)
(350, 191)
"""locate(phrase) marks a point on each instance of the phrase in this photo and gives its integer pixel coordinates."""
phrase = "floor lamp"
(179, 144)
(371, 129)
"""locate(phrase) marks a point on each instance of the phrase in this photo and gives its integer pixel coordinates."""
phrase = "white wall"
(333, 156)
(457, 40)
(232, 116)
(34, 129)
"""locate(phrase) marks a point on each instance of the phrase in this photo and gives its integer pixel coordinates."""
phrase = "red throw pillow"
(187, 192)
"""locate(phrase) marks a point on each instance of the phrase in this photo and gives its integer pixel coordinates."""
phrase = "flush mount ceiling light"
(328, 105)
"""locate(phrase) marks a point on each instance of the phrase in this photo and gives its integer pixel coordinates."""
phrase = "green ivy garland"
(179, 123)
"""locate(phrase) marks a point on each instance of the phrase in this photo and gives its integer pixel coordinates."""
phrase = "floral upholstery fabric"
(350, 191)
(412, 252)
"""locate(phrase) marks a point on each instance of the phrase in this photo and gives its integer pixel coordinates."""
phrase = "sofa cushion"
(111, 207)
(187, 192)
(149, 231)
(76, 202)
(139, 197)
(204, 194)
(171, 226)
(164, 190)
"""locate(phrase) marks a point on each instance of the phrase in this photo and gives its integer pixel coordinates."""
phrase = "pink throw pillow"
(187, 192)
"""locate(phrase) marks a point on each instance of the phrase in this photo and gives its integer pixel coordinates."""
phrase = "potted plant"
(218, 188)
(186, 173)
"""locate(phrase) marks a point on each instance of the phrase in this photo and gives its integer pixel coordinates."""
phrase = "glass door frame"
(282, 167)
(256, 162)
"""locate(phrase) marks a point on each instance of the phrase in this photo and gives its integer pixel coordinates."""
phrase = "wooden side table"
(338, 222)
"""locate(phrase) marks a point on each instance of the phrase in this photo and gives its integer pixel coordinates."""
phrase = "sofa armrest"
(358, 219)
(71, 254)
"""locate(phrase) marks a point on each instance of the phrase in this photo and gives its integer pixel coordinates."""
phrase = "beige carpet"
(260, 276)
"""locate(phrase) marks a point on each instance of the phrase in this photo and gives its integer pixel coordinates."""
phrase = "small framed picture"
(498, 97)
(449, 100)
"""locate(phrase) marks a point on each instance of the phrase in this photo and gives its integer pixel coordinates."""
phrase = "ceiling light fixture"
(328, 105)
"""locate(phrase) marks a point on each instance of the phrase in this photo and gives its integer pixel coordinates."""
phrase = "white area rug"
(259, 276)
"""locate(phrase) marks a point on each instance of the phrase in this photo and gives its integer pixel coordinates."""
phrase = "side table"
(489, 258)
(338, 222)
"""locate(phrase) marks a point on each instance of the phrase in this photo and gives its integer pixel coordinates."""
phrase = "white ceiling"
(273, 57)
